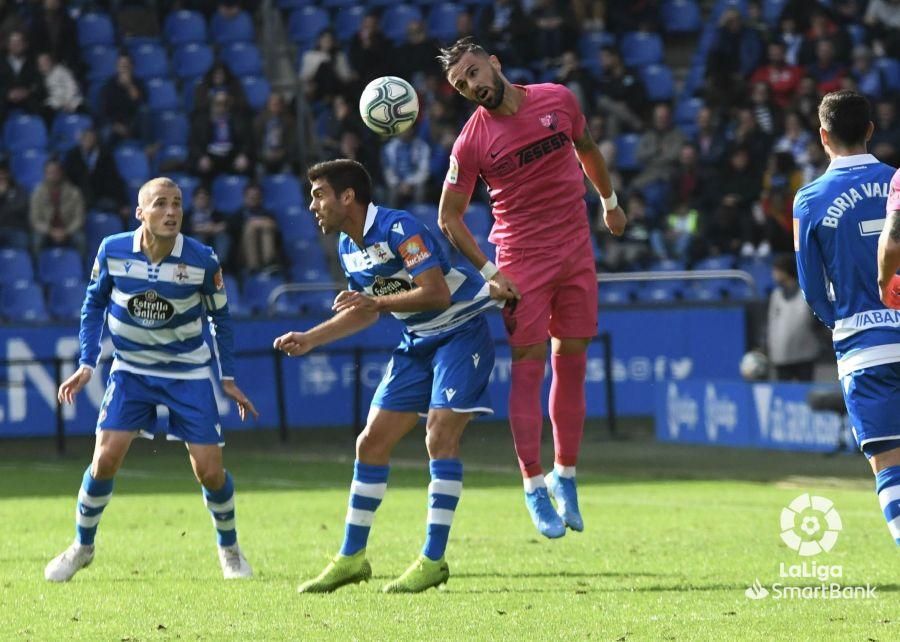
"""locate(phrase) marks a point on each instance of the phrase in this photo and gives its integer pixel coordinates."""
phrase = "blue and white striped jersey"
(397, 249)
(155, 312)
(837, 220)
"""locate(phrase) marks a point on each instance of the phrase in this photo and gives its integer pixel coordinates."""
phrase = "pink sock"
(567, 405)
(525, 416)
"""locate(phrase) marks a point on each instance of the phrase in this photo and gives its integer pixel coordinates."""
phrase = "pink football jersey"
(893, 202)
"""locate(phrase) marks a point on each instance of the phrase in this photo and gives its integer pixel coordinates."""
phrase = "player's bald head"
(148, 188)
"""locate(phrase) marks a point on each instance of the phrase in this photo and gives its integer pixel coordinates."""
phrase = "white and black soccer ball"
(389, 105)
(754, 366)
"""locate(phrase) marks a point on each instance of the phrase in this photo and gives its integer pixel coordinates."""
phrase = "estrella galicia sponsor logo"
(541, 148)
(150, 310)
(383, 286)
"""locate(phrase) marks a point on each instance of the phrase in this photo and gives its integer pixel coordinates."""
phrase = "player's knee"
(442, 444)
(106, 465)
(212, 477)
(369, 447)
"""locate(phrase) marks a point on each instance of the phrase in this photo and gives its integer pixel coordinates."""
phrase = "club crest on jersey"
(150, 310)
(550, 121)
(413, 251)
(181, 273)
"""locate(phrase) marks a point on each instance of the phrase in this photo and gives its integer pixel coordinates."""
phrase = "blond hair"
(160, 181)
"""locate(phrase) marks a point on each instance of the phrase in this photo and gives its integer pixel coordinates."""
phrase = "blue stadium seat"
(228, 192)
(237, 29)
(660, 291)
(658, 82)
(441, 23)
(395, 20)
(161, 94)
(667, 265)
(290, 5)
(616, 292)
(23, 131)
(150, 61)
(316, 303)
(66, 130)
(686, 111)
(188, 89)
(590, 43)
(242, 58)
(188, 184)
(235, 304)
(15, 265)
(100, 61)
(95, 29)
(657, 196)
(626, 152)
(192, 61)
(256, 91)
(297, 222)
(57, 264)
(890, 69)
(722, 262)
(281, 191)
(170, 156)
(478, 218)
(721, 6)
(98, 226)
(761, 271)
(131, 161)
(28, 167)
(681, 16)
(640, 48)
(65, 298)
(348, 21)
(305, 24)
(704, 291)
(771, 11)
(22, 301)
(257, 289)
(170, 127)
(182, 27)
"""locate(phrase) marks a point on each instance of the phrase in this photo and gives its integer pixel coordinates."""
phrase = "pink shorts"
(559, 293)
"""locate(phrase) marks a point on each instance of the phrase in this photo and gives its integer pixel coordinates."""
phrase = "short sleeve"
(416, 247)
(893, 201)
(571, 107)
(464, 165)
(213, 287)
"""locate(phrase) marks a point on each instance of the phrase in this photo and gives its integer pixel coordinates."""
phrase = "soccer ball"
(389, 105)
(754, 366)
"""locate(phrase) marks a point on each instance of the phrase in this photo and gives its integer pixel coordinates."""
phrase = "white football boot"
(234, 564)
(62, 567)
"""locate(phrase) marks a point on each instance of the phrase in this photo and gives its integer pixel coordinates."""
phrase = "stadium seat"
(235, 304)
(890, 69)
(22, 131)
(188, 184)
(98, 226)
(66, 130)
(58, 263)
(161, 94)
(722, 262)
(704, 291)
(100, 61)
(281, 191)
(242, 58)
(236, 29)
(660, 291)
(761, 271)
(590, 43)
(182, 27)
(150, 61)
(441, 23)
(640, 48)
(305, 24)
(616, 292)
(21, 301)
(686, 111)
(348, 21)
(15, 265)
(65, 298)
(228, 193)
(188, 91)
(626, 152)
(131, 161)
(658, 83)
(396, 19)
(28, 167)
(256, 91)
(170, 127)
(257, 289)
(316, 303)
(290, 5)
(681, 16)
(192, 61)
(170, 156)
(721, 6)
(296, 222)
(95, 29)
(657, 195)
(667, 265)
(772, 10)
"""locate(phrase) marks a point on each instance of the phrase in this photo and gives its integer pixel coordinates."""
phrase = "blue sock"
(887, 485)
(443, 496)
(92, 499)
(366, 493)
(221, 506)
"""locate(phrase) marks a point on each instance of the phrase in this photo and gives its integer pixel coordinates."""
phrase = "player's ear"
(869, 131)
(495, 62)
(823, 136)
(137, 214)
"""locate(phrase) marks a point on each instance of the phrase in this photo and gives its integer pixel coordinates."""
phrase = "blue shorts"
(872, 396)
(448, 370)
(131, 399)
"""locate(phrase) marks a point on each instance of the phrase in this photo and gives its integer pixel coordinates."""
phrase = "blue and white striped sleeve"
(216, 303)
(93, 310)
(810, 266)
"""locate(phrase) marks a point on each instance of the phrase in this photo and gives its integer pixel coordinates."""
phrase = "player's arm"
(889, 252)
(595, 169)
(431, 293)
(93, 315)
(810, 266)
(342, 324)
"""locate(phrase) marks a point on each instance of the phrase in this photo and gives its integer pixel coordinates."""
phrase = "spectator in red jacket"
(781, 77)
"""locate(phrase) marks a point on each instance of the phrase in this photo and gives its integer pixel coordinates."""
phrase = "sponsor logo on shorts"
(150, 310)
(413, 251)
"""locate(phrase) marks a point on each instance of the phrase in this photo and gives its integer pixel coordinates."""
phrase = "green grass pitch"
(674, 536)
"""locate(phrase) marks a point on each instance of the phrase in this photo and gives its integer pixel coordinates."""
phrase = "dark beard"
(499, 90)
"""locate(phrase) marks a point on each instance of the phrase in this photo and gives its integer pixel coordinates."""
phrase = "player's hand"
(890, 291)
(244, 405)
(294, 344)
(503, 288)
(71, 386)
(615, 220)
(351, 300)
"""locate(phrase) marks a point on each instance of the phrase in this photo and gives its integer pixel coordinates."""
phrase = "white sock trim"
(375, 491)
(442, 516)
(533, 483)
(359, 517)
(93, 501)
(888, 495)
(894, 527)
(445, 487)
(564, 471)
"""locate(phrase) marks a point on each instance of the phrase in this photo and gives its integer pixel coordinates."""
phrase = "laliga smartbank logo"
(810, 526)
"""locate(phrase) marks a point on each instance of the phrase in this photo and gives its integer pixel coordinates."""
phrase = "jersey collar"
(176, 251)
(370, 218)
(843, 162)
